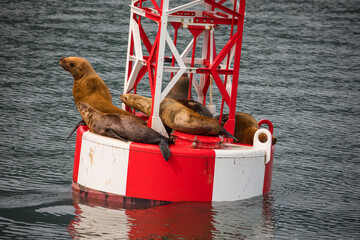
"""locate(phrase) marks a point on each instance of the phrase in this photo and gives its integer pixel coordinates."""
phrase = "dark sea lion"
(245, 128)
(89, 87)
(122, 126)
(177, 116)
(181, 89)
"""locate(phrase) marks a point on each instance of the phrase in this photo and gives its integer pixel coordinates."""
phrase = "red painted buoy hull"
(116, 171)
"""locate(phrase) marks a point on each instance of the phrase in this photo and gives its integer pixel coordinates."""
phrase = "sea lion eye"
(72, 64)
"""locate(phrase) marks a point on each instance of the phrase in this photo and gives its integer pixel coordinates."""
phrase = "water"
(300, 69)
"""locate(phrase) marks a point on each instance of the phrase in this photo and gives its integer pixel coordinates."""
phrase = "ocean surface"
(300, 68)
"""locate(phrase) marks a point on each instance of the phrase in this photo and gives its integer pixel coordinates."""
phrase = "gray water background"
(300, 68)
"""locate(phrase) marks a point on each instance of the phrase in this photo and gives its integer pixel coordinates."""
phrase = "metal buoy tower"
(211, 62)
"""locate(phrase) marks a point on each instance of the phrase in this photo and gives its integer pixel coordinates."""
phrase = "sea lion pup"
(177, 116)
(89, 87)
(122, 126)
(245, 128)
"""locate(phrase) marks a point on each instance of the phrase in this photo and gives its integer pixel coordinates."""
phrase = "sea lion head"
(78, 67)
(137, 102)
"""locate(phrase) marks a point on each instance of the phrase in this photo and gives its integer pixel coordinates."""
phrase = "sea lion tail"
(164, 148)
(228, 135)
(82, 122)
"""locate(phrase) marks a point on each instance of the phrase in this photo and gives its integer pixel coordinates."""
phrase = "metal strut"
(223, 67)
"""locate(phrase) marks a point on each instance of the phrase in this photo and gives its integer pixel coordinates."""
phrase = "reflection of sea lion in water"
(89, 87)
(245, 128)
(122, 126)
(177, 116)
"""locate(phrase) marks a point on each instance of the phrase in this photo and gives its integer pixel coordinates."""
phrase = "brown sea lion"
(181, 89)
(180, 92)
(245, 128)
(177, 116)
(89, 87)
(122, 126)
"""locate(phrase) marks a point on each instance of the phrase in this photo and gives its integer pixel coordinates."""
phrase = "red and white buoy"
(201, 168)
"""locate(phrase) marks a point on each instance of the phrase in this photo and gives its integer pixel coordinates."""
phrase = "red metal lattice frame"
(219, 15)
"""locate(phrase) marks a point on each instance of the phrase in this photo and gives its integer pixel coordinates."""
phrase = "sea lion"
(181, 89)
(177, 116)
(245, 128)
(122, 126)
(180, 92)
(89, 87)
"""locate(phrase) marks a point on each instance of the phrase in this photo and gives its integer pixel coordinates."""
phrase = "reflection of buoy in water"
(172, 220)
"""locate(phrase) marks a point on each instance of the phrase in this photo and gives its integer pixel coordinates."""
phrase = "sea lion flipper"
(82, 122)
(228, 135)
(196, 106)
(164, 148)
(111, 133)
(203, 111)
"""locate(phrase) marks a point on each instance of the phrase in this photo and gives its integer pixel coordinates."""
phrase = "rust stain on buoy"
(91, 156)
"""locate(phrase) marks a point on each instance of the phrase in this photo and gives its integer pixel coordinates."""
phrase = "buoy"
(201, 168)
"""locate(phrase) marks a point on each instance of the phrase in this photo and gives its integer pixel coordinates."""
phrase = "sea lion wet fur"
(122, 126)
(177, 116)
